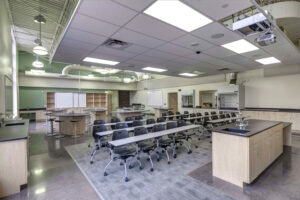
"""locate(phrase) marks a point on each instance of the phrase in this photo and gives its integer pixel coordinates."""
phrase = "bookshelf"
(96, 100)
(50, 100)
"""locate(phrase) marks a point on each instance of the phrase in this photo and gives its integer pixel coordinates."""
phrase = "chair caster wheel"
(196, 147)
(163, 151)
(138, 158)
(89, 146)
(174, 156)
(210, 142)
(91, 162)
(126, 179)
(148, 159)
(151, 170)
(177, 147)
(157, 160)
(141, 168)
(130, 167)
(169, 162)
(189, 152)
(97, 148)
(105, 174)
(121, 163)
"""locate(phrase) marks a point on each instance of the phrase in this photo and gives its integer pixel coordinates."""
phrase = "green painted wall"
(36, 97)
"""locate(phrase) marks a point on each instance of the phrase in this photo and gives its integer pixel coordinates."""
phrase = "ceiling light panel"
(269, 60)
(100, 61)
(154, 69)
(188, 74)
(240, 46)
(177, 14)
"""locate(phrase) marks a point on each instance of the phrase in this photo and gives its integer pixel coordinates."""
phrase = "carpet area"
(166, 182)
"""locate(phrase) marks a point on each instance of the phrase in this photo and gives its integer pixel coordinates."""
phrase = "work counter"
(67, 126)
(13, 156)
(240, 155)
(122, 114)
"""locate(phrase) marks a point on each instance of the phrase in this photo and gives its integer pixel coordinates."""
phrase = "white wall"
(274, 91)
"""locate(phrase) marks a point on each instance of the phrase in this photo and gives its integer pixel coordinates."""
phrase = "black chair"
(160, 119)
(114, 120)
(150, 121)
(170, 113)
(129, 119)
(146, 147)
(121, 125)
(213, 113)
(186, 113)
(206, 113)
(161, 142)
(178, 113)
(222, 116)
(100, 141)
(137, 123)
(233, 114)
(228, 115)
(192, 115)
(164, 115)
(184, 136)
(99, 122)
(220, 112)
(122, 152)
(214, 117)
(140, 117)
(199, 119)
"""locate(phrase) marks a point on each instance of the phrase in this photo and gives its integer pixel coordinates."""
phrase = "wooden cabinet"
(50, 100)
(240, 160)
(96, 100)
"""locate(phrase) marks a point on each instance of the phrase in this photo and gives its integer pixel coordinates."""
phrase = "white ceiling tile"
(170, 63)
(186, 61)
(242, 61)
(78, 44)
(136, 38)
(209, 30)
(219, 52)
(92, 25)
(107, 11)
(254, 55)
(175, 49)
(70, 50)
(137, 5)
(106, 57)
(153, 27)
(160, 54)
(136, 49)
(133, 62)
(148, 59)
(114, 52)
(83, 36)
(188, 40)
(217, 9)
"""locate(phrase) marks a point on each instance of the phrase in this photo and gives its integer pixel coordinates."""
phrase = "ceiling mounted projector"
(267, 39)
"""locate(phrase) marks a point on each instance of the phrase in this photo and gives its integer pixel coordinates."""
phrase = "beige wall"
(5, 51)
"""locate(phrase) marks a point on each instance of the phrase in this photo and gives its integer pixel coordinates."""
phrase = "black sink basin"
(241, 131)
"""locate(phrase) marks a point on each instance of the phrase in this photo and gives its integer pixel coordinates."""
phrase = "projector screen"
(155, 98)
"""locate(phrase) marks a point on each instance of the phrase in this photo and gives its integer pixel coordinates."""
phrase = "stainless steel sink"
(241, 131)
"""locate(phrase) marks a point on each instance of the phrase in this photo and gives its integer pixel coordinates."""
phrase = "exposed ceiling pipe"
(67, 68)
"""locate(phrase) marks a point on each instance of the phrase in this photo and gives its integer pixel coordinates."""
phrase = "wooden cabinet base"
(13, 166)
(240, 160)
(67, 127)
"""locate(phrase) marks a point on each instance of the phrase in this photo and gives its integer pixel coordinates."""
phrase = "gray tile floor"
(54, 174)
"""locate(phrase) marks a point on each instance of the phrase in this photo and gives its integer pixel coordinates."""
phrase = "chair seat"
(124, 151)
(147, 145)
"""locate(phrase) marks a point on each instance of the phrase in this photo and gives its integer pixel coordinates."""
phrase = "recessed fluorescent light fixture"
(240, 46)
(100, 61)
(178, 14)
(154, 69)
(188, 74)
(269, 60)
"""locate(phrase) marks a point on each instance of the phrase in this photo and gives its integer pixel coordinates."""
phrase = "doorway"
(124, 99)
(173, 101)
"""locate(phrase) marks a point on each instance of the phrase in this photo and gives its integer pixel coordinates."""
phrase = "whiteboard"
(63, 100)
(155, 98)
(82, 100)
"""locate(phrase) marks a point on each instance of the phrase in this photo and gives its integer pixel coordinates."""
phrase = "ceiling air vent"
(115, 44)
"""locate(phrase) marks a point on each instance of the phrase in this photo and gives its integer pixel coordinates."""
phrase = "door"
(109, 103)
(124, 99)
(173, 101)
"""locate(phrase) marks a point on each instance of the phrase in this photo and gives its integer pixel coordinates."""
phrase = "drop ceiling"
(158, 44)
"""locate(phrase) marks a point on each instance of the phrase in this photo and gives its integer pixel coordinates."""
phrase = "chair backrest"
(140, 131)
(192, 115)
(171, 125)
(206, 113)
(205, 119)
(222, 116)
(220, 112)
(158, 127)
(137, 123)
(177, 113)
(121, 125)
(198, 114)
(164, 115)
(140, 117)
(99, 121)
(181, 123)
(120, 134)
(227, 115)
(97, 129)
(186, 112)
(150, 121)
(233, 114)
(129, 119)
(114, 120)
(214, 117)
(170, 112)
(213, 113)
(160, 119)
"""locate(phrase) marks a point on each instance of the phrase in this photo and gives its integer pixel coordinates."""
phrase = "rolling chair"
(214, 117)
(150, 121)
(192, 115)
(170, 113)
(122, 152)
(164, 115)
(137, 123)
(206, 113)
(186, 113)
(199, 119)
(129, 119)
(114, 120)
(99, 122)
(185, 136)
(160, 119)
(140, 117)
(162, 143)
(178, 117)
(213, 113)
(146, 147)
(100, 141)
(121, 125)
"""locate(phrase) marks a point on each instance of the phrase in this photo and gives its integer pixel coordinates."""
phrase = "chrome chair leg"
(105, 173)
(167, 154)
(150, 160)
(92, 155)
(125, 167)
